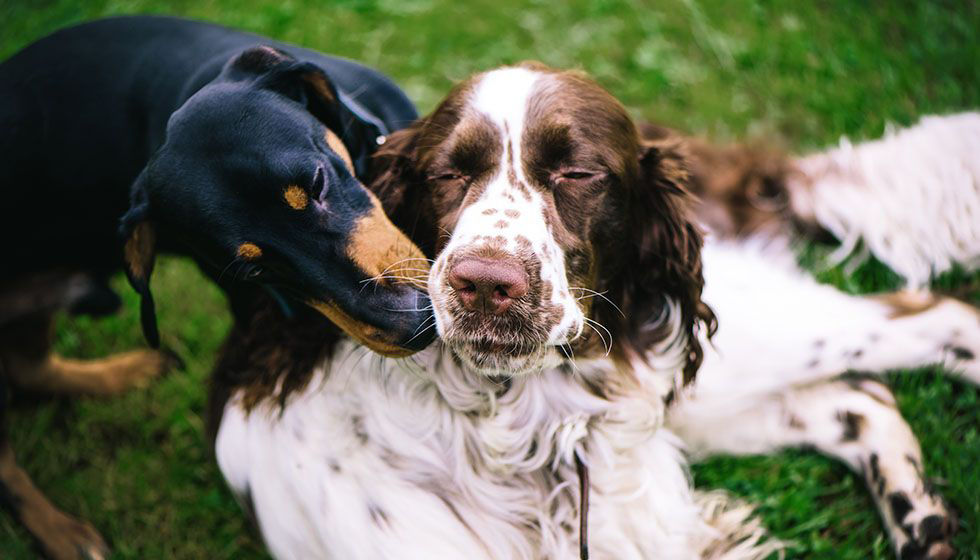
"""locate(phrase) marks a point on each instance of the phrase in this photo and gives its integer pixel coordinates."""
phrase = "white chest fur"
(384, 459)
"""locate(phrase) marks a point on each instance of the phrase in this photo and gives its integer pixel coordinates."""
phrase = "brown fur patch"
(268, 355)
(295, 197)
(249, 251)
(907, 303)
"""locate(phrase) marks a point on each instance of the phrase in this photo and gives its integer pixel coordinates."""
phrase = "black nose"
(488, 285)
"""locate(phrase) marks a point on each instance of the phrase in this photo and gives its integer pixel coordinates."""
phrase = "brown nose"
(488, 285)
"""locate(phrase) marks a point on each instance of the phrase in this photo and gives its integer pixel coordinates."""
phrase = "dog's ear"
(396, 181)
(277, 70)
(393, 169)
(139, 254)
(661, 280)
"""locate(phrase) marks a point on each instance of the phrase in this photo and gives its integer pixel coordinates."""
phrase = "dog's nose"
(488, 285)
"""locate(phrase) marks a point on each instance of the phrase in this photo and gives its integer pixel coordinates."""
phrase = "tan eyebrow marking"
(295, 197)
(249, 251)
(337, 145)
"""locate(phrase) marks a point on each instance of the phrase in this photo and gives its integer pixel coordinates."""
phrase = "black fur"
(194, 129)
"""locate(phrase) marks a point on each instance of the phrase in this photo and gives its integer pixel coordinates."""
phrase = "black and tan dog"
(238, 151)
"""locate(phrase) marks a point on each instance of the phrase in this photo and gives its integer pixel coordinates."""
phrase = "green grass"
(138, 466)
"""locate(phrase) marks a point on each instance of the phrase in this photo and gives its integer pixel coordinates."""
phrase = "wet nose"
(488, 285)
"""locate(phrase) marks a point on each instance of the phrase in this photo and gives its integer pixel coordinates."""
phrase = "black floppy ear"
(277, 70)
(139, 254)
(662, 274)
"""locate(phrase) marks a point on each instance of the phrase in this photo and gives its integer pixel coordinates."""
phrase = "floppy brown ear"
(139, 254)
(395, 179)
(661, 277)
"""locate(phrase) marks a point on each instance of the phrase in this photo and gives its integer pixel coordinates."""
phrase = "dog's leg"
(855, 421)
(29, 364)
(916, 329)
(61, 536)
(779, 328)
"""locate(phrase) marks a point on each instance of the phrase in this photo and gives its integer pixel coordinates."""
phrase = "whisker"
(593, 324)
(566, 349)
(598, 294)
(394, 264)
(427, 308)
(225, 269)
(407, 278)
(421, 332)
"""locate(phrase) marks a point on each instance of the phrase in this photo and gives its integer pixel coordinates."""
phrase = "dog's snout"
(488, 285)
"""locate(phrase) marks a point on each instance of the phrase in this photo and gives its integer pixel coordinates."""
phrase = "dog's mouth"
(496, 359)
(496, 356)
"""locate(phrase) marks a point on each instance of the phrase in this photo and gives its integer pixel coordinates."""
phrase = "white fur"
(460, 470)
(755, 285)
(912, 197)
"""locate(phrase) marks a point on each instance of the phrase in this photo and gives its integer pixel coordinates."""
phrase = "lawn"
(139, 467)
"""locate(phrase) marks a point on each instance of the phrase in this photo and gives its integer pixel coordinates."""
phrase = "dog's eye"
(448, 177)
(574, 176)
(318, 188)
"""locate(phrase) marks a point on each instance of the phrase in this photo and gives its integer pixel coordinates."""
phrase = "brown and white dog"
(566, 285)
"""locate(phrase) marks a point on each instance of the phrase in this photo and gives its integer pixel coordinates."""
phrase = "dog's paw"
(931, 539)
(928, 537)
(67, 538)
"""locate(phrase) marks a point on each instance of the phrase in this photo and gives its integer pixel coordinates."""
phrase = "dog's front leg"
(61, 536)
(29, 364)
(855, 421)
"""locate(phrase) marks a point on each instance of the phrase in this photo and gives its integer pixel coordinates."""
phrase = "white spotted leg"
(853, 420)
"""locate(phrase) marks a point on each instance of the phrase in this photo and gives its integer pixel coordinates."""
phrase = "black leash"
(583, 508)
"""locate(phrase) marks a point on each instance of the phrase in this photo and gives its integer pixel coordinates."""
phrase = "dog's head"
(555, 230)
(254, 182)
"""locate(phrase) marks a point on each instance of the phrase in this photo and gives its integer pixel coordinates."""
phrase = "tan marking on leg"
(295, 197)
(61, 536)
(337, 145)
(106, 376)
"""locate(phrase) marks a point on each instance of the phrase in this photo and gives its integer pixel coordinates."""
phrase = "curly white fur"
(424, 459)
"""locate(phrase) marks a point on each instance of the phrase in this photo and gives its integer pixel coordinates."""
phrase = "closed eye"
(575, 176)
(447, 177)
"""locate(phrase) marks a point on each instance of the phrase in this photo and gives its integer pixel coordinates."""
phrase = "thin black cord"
(583, 508)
